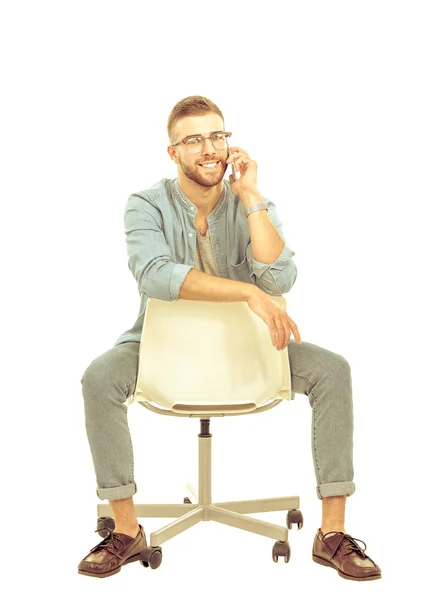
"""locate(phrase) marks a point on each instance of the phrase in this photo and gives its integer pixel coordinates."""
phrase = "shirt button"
(190, 235)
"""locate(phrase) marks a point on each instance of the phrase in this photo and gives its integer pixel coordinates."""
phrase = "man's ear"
(171, 152)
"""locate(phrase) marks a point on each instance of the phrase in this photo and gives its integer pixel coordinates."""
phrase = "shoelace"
(109, 543)
(351, 545)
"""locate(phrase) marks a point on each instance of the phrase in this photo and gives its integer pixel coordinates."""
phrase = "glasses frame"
(205, 137)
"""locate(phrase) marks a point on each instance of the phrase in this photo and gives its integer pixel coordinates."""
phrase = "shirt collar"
(190, 207)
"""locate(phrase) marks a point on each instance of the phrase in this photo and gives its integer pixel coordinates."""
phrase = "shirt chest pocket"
(241, 272)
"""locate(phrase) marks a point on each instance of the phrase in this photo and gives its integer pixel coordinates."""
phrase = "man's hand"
(276, 318)
(248, 171)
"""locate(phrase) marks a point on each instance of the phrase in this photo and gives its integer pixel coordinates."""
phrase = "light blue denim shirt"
(161, 244)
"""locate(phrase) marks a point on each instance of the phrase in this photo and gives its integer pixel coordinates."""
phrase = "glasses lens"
(195, 144)
(219, 141)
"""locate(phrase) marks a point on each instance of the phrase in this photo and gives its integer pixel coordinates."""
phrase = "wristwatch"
(261, 206)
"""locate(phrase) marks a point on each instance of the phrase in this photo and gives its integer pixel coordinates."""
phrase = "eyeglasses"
(195, 143)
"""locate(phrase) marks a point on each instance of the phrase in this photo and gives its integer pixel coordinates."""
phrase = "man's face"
(191, 163)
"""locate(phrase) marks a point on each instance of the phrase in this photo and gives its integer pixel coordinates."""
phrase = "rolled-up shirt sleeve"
(278, 277)
(150, 258)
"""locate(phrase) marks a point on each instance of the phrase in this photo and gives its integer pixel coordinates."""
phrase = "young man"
(199, 237)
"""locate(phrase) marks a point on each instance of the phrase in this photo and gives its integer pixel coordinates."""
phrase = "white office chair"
(209, 359)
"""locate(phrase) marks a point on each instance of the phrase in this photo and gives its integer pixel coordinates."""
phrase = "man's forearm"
(266, 243)
(202, 286)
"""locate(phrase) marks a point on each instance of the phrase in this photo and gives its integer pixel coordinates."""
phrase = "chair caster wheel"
(105, 524)
(151, 556)
(294, 516)
(281, 549)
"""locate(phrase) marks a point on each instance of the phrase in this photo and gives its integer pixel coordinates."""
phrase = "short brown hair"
(194, 106)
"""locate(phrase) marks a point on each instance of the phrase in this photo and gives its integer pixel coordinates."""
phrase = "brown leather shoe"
(115, 550)
(341, 552)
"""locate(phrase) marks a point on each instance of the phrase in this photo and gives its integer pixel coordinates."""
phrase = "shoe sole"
(133, 558)
(326, 563)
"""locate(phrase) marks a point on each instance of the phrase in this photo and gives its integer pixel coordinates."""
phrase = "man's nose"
(208, 147)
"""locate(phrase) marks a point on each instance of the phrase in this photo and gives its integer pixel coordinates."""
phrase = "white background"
(342, 106)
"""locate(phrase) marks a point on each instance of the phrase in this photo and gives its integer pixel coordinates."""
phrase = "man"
(239, 254)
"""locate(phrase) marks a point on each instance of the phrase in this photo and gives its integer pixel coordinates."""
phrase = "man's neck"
(205, 199)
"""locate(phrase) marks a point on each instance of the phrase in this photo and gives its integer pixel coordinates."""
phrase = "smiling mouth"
(210, 168)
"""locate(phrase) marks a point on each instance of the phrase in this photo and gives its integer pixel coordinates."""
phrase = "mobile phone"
(233, 168)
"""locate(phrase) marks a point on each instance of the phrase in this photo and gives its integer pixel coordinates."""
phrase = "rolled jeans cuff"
(338, 488)
(116, 493)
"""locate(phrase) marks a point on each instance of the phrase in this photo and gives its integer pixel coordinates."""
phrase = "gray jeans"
(321, 375)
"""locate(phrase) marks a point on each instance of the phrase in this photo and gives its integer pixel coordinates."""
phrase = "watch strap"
(251, 209)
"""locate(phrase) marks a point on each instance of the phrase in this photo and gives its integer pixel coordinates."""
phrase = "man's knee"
(95, 375)
(340, 371)
(116, 368)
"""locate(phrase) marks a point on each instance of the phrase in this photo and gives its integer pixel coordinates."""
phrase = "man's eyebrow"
(201, 135)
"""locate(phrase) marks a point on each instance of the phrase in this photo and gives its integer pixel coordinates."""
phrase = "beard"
(198, 174)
